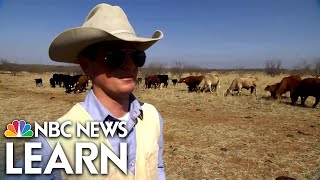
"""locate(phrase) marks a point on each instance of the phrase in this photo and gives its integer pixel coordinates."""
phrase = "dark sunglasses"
(116, 59)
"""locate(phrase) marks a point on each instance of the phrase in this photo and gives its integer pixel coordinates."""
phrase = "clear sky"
(217, 34)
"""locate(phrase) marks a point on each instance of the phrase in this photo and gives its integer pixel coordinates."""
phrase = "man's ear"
(84, 63)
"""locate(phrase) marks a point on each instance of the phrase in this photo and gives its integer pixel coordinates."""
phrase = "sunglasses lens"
(139, 58)
(116, 58)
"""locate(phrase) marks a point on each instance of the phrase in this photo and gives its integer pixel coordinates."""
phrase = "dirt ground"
(207, 136)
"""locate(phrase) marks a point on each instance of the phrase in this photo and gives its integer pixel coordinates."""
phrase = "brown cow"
(192, 82)
(239, 83)
(287, 84)
(272, 89)
(307, 87)
(81, 84)
(152, 81)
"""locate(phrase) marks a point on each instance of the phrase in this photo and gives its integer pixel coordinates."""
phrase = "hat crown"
(109, 18)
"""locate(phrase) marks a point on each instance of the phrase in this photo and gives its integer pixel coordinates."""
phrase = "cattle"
(65, 80)
(163, 80)
(174, 81)
(58, 78)
(152, 81)
(307, 87)
(287, 84)
(81, 84)
(38, 82)
(246, 83)
(139, 81)
(209, 83)
(52, 82)
(272, 89)
(192, 82)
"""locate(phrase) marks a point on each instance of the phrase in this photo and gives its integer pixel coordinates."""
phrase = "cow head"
(182, 80)
(267, 88)
(228, 92)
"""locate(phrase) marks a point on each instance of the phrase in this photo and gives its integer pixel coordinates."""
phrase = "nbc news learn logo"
(91, 129)
(18, 129)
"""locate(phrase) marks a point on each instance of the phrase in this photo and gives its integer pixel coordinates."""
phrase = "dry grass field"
(207, 136)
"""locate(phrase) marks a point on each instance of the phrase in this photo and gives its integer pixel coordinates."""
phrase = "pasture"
(206, 136)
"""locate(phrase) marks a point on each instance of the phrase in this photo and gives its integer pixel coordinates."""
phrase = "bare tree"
(156, 68)
(273, 67)
(177, 70)
(302, 68)
(316, 71)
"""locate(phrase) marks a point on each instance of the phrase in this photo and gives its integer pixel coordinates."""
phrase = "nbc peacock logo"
(18, 129)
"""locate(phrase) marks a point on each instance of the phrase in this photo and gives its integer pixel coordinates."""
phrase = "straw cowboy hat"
(103, 23)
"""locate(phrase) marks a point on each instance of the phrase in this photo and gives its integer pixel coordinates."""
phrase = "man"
(110, 53)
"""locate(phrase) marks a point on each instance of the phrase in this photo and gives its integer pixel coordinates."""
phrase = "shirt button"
(132, 164)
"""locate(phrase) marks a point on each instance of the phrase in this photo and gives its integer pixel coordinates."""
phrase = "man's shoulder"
(146, 106)
(77, 112)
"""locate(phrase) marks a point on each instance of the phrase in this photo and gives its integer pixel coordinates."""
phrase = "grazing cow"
(152, 81)
(209, 83)
(287, 84)
(192, 82)
(246, 83)
(38, 82)
(272, 89)
(52, 83)
(174, 81)
(81, 84)
(163, 80)
(307, 87)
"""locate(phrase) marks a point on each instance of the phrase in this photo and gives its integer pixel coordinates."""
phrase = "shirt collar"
(98, 112)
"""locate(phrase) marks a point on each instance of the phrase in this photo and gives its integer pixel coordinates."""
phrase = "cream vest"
(147, 141)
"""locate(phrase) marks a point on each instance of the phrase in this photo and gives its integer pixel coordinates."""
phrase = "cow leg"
(317, 101)
(303, 99)
(251, 89)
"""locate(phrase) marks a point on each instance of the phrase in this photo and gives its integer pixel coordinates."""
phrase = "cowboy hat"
(103, 23)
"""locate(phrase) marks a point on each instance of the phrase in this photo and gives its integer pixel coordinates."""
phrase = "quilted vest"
(147, 141)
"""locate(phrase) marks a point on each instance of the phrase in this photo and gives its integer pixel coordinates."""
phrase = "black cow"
(38, 82)
(52, 83)
(174, 82)
(139, 80)
(307, 87)
(163, 79)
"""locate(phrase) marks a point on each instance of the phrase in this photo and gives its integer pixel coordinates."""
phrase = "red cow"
(152, 81)
(272, 89)
(81, 84)
(192, 82)
(287, 84)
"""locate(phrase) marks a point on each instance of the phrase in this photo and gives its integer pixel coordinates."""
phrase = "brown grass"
(206, 136)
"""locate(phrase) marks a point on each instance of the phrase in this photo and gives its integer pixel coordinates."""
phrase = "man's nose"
(129, 63)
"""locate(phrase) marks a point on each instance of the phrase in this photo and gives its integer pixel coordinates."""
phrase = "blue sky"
(217, 34)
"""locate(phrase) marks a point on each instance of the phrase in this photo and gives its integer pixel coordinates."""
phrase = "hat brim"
(67, 45)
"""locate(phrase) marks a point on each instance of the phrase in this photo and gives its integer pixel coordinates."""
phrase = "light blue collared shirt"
(98, 113)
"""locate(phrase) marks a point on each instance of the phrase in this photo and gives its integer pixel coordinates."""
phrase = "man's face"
(114, 79)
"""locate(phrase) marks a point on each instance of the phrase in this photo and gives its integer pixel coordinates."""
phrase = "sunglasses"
(116, 59)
